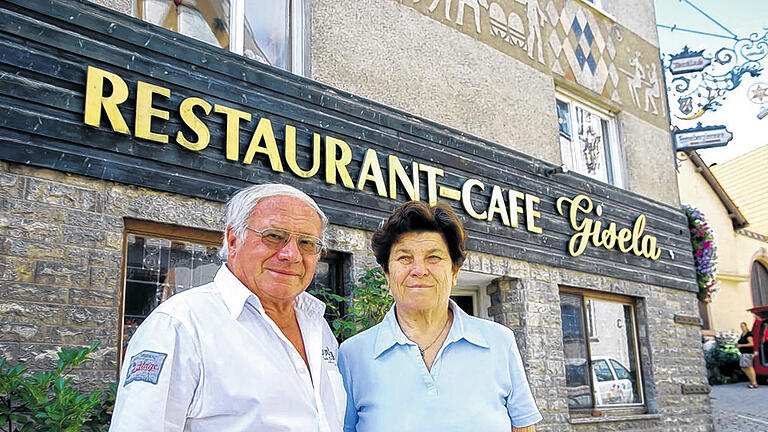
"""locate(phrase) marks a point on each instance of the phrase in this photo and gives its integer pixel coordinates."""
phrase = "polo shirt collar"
(236, 295)
(464, 328)
(390, 334)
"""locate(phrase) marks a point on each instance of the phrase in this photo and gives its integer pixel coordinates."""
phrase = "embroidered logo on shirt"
(145, 366)
(329, 356)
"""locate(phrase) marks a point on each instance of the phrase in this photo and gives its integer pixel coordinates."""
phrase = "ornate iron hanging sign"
(701, 82)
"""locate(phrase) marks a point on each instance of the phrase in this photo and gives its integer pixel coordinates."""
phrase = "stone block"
(15, 269)
(31, 292)
(105, 258)
(92, 297)
(89, 316)
(58, 273)
(38, 356)
(9, 351)
(33, 313)
(113, 240)
(11, 186)
(21, 332)
(93, 380)
(106, 335)
(28, 228)
(12, 246)
(103, 278)
(63, 195)
(346, 239)
(84, 237)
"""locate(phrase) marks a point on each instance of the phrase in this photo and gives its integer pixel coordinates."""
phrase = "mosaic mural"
(566, 38)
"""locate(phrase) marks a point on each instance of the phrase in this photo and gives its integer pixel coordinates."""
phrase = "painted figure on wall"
(635, 80)
(654, 90)
(536, 20)
(473, 4)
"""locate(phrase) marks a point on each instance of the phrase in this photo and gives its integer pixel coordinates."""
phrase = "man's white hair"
(241, 205)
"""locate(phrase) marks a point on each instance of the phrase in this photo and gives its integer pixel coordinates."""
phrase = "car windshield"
(621, 371)
(602, 371)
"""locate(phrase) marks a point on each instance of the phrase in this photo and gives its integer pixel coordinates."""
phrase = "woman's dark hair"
(416, 216)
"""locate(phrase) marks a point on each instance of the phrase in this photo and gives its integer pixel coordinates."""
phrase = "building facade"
(742, 245)
(127, 124)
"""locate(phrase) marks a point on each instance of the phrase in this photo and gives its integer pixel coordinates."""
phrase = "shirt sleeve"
(350, 417)
(158, 378)
(520, 403)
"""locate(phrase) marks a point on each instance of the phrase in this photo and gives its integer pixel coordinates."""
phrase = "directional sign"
(688, 61)
(702, 137)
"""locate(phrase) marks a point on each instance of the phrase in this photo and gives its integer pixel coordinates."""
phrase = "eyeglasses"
(277, 239)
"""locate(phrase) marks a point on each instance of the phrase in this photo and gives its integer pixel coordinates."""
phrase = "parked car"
(760, 337)
(611, 380)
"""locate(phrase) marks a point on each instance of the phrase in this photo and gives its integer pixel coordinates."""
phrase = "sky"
(738, 113)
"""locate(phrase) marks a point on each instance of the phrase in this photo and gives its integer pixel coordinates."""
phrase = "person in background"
(428, 366)
(249, 351)
(746, 346)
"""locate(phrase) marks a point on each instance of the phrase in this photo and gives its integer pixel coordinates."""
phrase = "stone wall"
(526, 299)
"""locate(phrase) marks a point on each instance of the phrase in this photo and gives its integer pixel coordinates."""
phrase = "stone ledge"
(617, 418)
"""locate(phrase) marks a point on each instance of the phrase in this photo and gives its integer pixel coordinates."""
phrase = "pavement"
(736, 408)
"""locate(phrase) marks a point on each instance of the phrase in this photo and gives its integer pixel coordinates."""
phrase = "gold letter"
(145, 111)
(531, 214)
(432, 174)
(333, 165)
(193, 122)
(264, 132)
(466, 198)
(397, 172)
(514, 207)
(233, 129)
(371, 163)
(94, 99)
(290, 153)
(608, 236)
(497, 206)
(637, 231)
(622, 237)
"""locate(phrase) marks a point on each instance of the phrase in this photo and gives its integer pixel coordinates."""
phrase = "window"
(329, 279)
(759, 281)
(588, 141)
(161, 261)
(605, 371)
(270, 31)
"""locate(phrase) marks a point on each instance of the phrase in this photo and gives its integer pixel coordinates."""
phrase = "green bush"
(46, 401)
(367, 306)
(723, 362)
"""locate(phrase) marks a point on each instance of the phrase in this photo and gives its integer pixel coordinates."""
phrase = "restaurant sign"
(331, 158)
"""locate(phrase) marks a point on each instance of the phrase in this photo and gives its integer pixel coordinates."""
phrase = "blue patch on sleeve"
(145, 366)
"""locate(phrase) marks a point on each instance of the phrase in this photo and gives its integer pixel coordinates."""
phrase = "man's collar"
(236, 295)
(390, 333)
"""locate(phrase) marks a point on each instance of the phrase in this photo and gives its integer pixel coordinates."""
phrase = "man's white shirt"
(210, 359)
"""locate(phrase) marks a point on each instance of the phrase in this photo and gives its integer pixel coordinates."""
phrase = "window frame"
(155, 230)
(614, 158)
(586, 294)
(298, 12)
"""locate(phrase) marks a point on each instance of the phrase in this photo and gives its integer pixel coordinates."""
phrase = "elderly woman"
(428, 366)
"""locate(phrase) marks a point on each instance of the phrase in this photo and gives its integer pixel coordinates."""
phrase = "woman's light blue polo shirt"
(477, 381)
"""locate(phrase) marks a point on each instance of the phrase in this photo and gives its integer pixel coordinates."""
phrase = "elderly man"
(249, 351)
